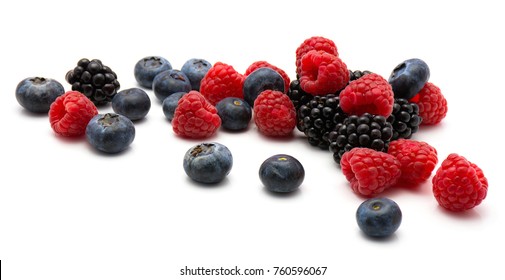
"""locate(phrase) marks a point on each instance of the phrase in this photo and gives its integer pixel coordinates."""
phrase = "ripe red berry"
(274, 113)
(369, 94)
(370, 172)
(317, 43)
(432, 104)
(195, 117)
(459, 184)
(418, 160)
(221, 81)
(322, 73)
(70, 113)
(261, 64)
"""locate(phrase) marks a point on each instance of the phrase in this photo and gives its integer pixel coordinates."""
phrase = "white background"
(68, 212)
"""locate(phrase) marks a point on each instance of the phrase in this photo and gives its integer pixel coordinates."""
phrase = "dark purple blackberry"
(405, 119)
(297, 95)
(95, 80)
(356, 74)
(320, 116)
(366, 131)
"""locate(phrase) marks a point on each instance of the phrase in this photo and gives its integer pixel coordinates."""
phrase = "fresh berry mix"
(370, 172)
(110, 133)
(379, 217)
(208, 163)
(317, 43)
(432, 104)
(148, 67)
(195, 117)
(260, 80)
(133, 103)
(170, 103)
(281, 173)
(170, 81)
(369, 94)
(235, 113)
(221, 81)
(318, 118)
(322, 73)
(260, 64)
(459, 185)
(36, 94)
(95, 80)
(404, 118)
(365, 131)
(274, 114)
(409, 77)
(195, 69)
(418, 159)
(70, 113)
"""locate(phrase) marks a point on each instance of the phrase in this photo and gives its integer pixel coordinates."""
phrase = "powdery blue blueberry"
(170, 81)
(409, 77)
(260, 80)
(208, 163)
(148, 67)
(133, 103)
(281, 173)
(110, 133)
(379, 217)
(170, 104)
(234, 112)
(195, 69)
(36, 94)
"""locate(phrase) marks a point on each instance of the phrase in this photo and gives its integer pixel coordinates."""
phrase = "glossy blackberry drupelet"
(366, 131)
(297, 95)
(95, 80)
(405, 119)
(208, 163)
(379, 217)
(356, 74)
(281, 173)
(36, 94)
(319, 117)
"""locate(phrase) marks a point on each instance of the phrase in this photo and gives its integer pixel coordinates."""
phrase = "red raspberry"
(70, 113)
(314, 43)
(260, 64)
(418, 159)
(195, 117)
(221, 81)
(370, 172)
(459, 184)
(322, 73)
(432, 104)
(274, 113)
(369, 94)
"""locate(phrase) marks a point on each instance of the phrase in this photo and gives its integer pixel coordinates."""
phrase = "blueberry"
(170, 81)
(234, 112)
(148, 67)
(409, 77)
(110, 133)
(208, 162)
(281, 173)
(260, 80)
(170, 104)
(379, 217)
(196, 69)
(36, 94)
(133, 103)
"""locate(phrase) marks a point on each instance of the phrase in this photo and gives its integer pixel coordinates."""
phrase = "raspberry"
(70, 113)
(221, 81)
(260, 64)
(370, 172)
(195, 117)
(418, 159)
(322, 73)
(368, 94)
(459, 184)
(274, 113)
(314, 43)
(432, 104)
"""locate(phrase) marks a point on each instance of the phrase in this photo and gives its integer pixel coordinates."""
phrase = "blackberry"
(366, 131)
(319, 117)
(356, 74)
(297, 95)
(405, 119)
(95, 80)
